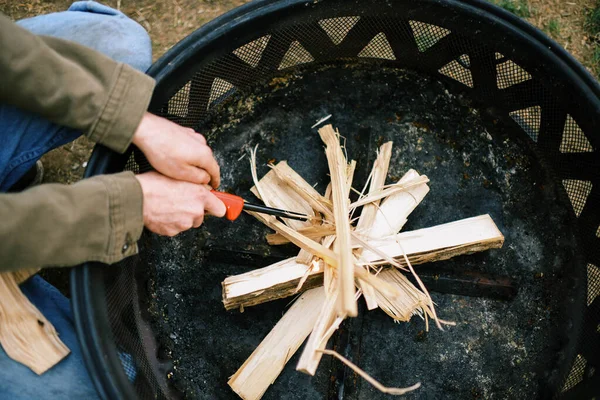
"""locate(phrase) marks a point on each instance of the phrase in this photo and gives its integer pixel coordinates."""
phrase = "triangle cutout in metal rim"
(295, 55)
(578, 192)
(573, 139)
(251, 53)
(426, 35)
(458, 72)
(219, 88)
(378, 47)
(338, 28)
(529, 119)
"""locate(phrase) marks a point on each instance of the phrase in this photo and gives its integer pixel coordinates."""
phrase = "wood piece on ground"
(295, 182)
(339, 184)
(265, 363)
(279, 195)
(424, 245)
(23, 274)
(369, 212)
(25, 334)
(395, 209)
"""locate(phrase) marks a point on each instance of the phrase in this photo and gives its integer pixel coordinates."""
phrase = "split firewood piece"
(339, 188)
(23, 274)
(395, 209)
(369, 212)
(265, 364)
(269, 283)
(327, 322)
(424, 245)
(287, 190)
(378, 175)
(25, 334)
(440, 242)
(389, 191)
(278, 194)
(296, 183)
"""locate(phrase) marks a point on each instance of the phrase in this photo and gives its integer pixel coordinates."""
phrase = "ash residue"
(497, 350)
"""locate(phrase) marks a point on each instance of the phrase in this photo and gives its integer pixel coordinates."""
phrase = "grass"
(553, 28)
(592, 25)
(518, 7)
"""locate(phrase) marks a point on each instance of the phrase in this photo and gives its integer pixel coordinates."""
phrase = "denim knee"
(99, 27)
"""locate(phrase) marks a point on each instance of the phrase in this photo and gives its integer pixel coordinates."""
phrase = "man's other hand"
(177, 152)
(172, 206)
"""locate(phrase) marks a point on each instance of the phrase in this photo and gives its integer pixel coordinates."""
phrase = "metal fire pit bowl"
(498, 116)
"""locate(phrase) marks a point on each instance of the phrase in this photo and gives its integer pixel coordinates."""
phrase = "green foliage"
(518, 7)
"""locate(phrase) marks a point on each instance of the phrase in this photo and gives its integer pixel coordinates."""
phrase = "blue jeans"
(25, 137)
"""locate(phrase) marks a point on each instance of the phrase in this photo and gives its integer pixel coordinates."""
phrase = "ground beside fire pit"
(498, 349)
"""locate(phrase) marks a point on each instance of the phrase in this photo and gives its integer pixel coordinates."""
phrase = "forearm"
(72, 85)
(98, 219)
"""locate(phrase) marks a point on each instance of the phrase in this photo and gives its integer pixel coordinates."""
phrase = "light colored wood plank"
(342, 246)
(389, 191)
(279, 195)
(265, 363)
(441, 241)
(295, 182)
(395, 209)
(323, 329)
(369, 212)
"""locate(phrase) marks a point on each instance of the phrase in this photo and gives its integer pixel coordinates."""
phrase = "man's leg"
(25, 138)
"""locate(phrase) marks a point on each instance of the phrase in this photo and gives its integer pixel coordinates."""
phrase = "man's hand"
(177, 152)
(171, 206)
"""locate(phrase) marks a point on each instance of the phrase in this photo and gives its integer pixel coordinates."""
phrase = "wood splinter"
(25, 334)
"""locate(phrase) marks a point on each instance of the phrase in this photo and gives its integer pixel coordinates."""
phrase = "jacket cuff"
(129, 98)
(126, 215)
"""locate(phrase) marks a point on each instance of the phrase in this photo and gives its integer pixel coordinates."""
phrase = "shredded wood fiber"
(340, 262)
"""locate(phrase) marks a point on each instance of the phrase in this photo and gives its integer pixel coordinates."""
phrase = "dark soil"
(497, 350)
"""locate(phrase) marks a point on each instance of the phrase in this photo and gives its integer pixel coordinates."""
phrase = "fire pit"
(495, 114)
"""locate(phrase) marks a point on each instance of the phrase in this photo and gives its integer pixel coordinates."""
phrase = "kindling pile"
(341, 259)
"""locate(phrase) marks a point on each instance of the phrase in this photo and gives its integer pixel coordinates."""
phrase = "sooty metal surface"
(498, 349)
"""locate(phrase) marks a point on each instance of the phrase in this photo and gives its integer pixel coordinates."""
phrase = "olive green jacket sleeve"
(72, 85)
(99, 219)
